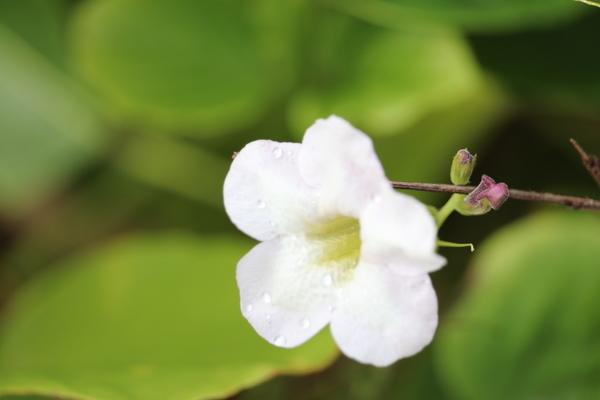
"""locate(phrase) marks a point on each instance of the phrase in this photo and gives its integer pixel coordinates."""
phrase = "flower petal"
(283, 294)
(264, 194)
(340, 160)
(383, 315)
(396, 228)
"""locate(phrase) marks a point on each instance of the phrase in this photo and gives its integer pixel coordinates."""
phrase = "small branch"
(433, 187)
(590, 161)
(582, 203)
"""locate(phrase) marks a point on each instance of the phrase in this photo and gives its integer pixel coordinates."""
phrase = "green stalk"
(447, 209)
(443, 243)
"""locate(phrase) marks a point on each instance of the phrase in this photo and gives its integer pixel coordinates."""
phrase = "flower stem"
(447, 209)
(582, 203)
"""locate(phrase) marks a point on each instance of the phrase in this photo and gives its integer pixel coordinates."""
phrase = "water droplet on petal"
(289, 153)
(375, 198)
(277, 152)
(261, 204)
(279, 340)
(327, 280)
(268, 317)
(331, 308)
(266, 297)
(249, 308)
(305, 323)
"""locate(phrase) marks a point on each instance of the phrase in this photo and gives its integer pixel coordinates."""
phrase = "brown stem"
(583, 203)
(590, 161)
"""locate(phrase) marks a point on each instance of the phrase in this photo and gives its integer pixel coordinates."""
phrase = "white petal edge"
(340, 161)
(383, 316)
(264, 194)
(282, 293)
(396, 228)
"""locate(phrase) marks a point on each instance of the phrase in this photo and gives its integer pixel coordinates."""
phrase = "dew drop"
(261, 204)
(279, 340)
(331, 308)
(249, 308)
(375, 198)
(277, 152)
(327, 280)
(268, 317)
(266, 297)
(305, 323)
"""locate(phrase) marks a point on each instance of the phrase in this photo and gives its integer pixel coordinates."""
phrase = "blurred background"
(118, 120)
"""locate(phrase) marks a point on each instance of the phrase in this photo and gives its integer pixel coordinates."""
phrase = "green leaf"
(146, 317)
(40, 23)
(47, 128)
(388, 81)
(528, 325)
(472, 15)
(203, 67)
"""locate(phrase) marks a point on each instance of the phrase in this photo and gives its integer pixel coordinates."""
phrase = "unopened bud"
(486, 196)
(463, 164)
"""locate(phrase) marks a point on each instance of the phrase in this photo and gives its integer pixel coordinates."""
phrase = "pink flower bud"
(488, 191)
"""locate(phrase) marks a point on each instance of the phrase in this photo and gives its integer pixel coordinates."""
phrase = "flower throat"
(340, 241)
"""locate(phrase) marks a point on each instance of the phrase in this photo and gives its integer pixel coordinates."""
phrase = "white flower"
(339, 246)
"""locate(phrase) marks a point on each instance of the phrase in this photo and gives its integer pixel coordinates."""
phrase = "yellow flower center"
(339, 241)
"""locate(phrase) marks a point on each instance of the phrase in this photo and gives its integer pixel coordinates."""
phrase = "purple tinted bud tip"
(462, 167)
(464, 156)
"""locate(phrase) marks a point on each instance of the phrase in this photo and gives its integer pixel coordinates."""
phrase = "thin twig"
(590, 161)
(582, 203)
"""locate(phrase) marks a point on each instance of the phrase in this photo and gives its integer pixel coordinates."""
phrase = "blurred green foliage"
(48, 130)
(527, 326)
(157, 316)
(117, 122)
(205, 67)
(469, 15)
